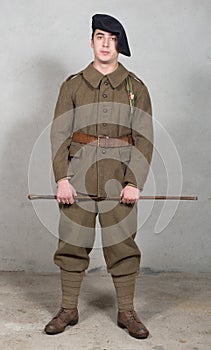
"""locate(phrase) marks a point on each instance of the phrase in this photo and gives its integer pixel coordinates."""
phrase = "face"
(104, 45)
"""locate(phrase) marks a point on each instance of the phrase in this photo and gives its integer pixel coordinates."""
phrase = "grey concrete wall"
(42, 42)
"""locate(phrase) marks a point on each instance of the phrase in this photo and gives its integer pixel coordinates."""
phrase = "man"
(101, 143)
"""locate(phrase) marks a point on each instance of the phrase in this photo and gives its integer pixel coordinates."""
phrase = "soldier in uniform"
(101, 143)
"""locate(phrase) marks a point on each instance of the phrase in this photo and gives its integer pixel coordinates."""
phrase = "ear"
(92, 43)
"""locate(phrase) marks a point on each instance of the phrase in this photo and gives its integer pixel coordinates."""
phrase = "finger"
(59, 198)
(63, 199)
(124, 201)
(72, 202)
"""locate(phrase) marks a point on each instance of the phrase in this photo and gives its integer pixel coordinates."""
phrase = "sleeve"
(142, 135)
(61, 132)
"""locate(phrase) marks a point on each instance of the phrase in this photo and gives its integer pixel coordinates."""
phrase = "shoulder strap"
(135, 77)
(72, 76)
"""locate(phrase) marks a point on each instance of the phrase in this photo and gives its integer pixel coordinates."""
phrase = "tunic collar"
(94, 77)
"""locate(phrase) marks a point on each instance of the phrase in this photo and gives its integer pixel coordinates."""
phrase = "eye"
(113, 38)
(99, 37)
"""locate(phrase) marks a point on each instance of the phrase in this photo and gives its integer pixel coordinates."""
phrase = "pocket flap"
(75, 150)
(125, 154)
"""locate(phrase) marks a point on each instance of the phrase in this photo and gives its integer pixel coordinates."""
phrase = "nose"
(106, 42)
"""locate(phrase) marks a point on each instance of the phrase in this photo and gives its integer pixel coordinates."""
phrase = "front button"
(104, 124)
(103, 151)
(105, 110)
(105, 95)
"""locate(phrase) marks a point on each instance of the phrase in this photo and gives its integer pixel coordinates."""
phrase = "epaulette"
(135, 77)
(73, 76)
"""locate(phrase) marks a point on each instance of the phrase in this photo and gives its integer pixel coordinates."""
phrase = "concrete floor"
(176, 307)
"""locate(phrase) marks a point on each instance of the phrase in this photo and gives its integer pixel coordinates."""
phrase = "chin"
(104, 58)
(104, 61)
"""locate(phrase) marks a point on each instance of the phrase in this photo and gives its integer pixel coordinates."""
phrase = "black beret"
(112, 25)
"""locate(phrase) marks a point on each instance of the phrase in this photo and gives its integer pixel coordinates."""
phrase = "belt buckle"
(101, 137)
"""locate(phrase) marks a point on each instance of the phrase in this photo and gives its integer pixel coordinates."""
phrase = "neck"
(105, 68)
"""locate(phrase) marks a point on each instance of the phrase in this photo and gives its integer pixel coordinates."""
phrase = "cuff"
(64, 178)
(133, 185)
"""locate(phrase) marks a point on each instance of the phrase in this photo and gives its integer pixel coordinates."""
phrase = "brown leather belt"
(102, 140)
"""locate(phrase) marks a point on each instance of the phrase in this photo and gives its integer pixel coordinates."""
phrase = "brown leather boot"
(64, 318)
(130, 320)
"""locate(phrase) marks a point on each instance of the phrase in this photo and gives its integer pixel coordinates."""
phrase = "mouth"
(104, 52)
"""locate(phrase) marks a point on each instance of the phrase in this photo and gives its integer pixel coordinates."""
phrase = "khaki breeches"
(118, 229)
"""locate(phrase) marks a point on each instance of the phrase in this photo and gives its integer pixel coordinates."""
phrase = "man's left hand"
(129, 194)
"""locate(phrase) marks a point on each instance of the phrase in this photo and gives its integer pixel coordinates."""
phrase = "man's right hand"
(65, 192)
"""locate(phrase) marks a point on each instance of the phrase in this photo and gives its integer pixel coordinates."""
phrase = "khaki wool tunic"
(94, 104)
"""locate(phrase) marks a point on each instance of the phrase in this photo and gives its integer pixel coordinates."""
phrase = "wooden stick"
(176, 198)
